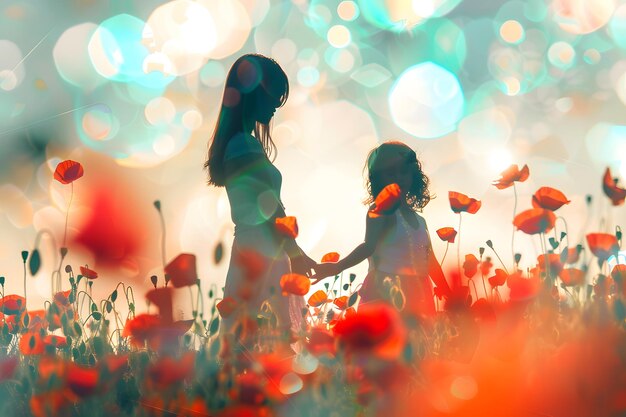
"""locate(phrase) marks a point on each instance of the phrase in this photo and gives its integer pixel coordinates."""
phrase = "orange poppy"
(287, 226)
(295, 284)
(12, 304)
(83, 381)
(330, 257)
(116, 364)
(88, 273)
(321, 341)
(341, 302)
(470, 266)
(318, 298)
(181, 271)
(62, 298)
(536, 220)
(386, 201)
(460, 202)
(549, 198)
(49, 403)
(522, 289)
(447, 234)
(573, 254)
(510, 175)
(572, 277)
(554, 264)
(603, 245)
(499, 278)
(31, 343)
(615, 193)
(68, 171)
(37, 320)
(440, 292)
(375, 329)
(140, 328)
(162, 298)
(483, 310)
(226, 306)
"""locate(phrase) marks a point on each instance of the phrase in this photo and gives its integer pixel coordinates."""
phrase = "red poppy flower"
(7, 367)
(483, 309)
(140, 328)
(376, 329)
(615, 193)
(460, 202)
(49, 403)
(499, 278)
(603, 245)
(572, 277)
(554, 264)
(573, 254)
(447, 234)
(226, 306)
(251, 262)
(168, 371)
(31, 343)
(470, 266)
(440, 292)
(341, 302)
(116, 364)
(81, 380)
(244, 410)
(12, 304)
(485, 266)
(318, 298)
(295, 284)
(549, 198)
(510, 175)
(62, 298)
(536, 220)
(68, 171)
(522, 289)
(287, 226)
(386, 201)
(321, 342)
(37, 320)
(330, 257)
(181, 271)
(162, 298)
(88, 273)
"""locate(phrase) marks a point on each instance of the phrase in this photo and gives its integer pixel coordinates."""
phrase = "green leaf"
(114, 296)
(563, 234)
(82, 348)
(353, 298)
(553, 243)
(35, 262)
(108, 306)
(96, 315)
(78, 329)
(215, 325)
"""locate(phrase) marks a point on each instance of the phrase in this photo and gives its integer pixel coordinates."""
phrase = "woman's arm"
(434, 270)
(375, 228)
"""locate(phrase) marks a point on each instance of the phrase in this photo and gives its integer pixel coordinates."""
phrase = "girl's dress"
(402, 256)
(254, 196)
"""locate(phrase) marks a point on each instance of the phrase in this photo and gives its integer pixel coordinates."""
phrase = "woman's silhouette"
(240, 159)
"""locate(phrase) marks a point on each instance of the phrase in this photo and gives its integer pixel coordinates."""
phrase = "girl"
(239, 160)
(397, 243)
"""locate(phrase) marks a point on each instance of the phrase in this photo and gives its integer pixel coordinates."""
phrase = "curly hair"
(418, 195)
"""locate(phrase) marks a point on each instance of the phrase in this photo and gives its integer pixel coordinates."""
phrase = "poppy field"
(545, 337)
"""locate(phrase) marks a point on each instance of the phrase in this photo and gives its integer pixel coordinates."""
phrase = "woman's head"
(255, 87)
(394, 162)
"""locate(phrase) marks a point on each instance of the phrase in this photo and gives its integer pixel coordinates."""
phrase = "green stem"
(445, 253)
(67, 213)
(514, 211)
(458, 247)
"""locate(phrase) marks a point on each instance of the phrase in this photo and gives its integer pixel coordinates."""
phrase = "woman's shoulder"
(242, 144)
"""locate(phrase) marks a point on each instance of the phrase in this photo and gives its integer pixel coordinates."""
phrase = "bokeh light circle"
(426, 101)
(582, 16)
(76, 69)
(482, 132)
(348, 10)
(617, 26)
(338, 36)
(402, 15)
(290, 383)
(562, 55)
(160, 110)
(99, 123)
(11, 67)
(512, 32)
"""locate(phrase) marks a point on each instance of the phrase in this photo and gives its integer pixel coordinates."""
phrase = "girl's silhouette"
(396, 244)
(240, 159)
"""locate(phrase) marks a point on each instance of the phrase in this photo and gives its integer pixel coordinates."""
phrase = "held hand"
(302, 264)
(323, 271)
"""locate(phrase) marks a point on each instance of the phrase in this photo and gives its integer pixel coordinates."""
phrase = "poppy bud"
(68, 268)
(153, 279)
(24, 255)
(489, 243)
(518, 257)
(618, 234)
(588, 199)
(157, 204)
(481, 251)
(2, 281)
(63, 252)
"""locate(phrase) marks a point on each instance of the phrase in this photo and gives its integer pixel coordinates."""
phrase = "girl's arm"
(375, 228)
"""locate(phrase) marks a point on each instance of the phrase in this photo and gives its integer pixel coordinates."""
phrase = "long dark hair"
(418, 195)
(250, 76)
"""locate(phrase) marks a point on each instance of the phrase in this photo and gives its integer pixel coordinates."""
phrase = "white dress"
(254, 195)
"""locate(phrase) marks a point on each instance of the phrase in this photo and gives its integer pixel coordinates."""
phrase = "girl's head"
(394, 162)
(255, 87)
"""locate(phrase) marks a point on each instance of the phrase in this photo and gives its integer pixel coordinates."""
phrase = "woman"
(240, 159)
